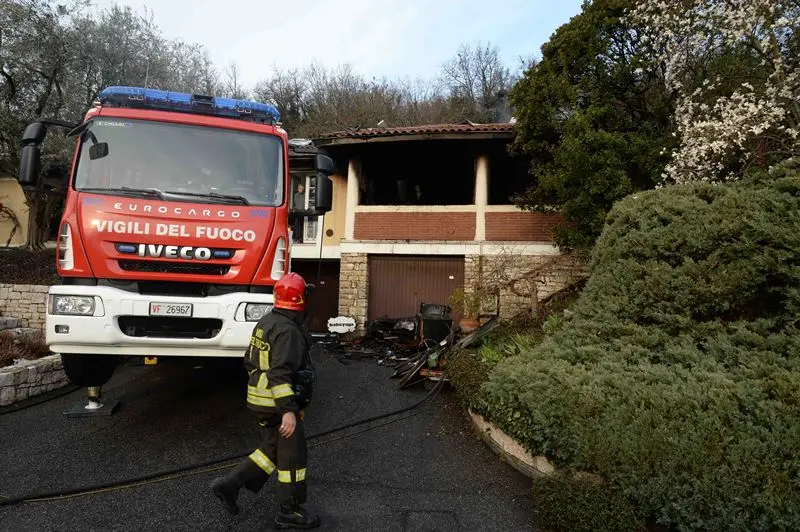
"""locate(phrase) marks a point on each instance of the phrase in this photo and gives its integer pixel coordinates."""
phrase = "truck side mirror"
(324, 198)
(324, 164)
(30, 165)
(98, 151)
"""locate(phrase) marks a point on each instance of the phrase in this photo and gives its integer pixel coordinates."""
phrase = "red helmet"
(290, 292)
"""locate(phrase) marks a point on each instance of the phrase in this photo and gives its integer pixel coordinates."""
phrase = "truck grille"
(189, 268)
(163, 327)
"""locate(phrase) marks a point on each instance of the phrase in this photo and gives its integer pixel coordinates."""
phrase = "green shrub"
(469, 369)
(678, 378)
(553, 323)
(468, 372)
(574, 504)
(506, 346)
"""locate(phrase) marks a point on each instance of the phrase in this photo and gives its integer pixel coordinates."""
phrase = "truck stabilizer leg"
(96, 405)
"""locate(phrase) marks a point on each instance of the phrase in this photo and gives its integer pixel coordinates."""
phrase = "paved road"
(424, 472)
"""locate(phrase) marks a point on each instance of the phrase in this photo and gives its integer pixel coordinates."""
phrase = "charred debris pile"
(417, 347)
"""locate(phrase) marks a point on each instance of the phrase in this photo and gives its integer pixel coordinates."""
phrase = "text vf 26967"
(180, 310)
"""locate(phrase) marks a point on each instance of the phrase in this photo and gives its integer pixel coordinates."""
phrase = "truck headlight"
(72, 305)
(255, 311)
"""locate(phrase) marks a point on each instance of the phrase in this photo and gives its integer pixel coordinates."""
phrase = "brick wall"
(458, 226)
(24, 301)
(354, 288)
(521, 226)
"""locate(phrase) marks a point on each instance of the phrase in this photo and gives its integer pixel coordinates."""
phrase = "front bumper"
(108, 331)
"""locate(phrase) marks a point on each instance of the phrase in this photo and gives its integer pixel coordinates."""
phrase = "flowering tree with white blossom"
(734, 66)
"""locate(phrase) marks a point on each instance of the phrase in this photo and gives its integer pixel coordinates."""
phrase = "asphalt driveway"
(422, 470)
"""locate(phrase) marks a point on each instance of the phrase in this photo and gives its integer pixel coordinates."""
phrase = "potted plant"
(469, 303)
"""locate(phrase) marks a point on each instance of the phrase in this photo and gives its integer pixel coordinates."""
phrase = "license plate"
(182, 310)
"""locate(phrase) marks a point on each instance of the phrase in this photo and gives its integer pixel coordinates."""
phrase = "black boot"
(227, 488)
(295, 516)
(255, 483)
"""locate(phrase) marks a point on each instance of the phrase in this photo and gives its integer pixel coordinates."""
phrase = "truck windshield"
(178, 158)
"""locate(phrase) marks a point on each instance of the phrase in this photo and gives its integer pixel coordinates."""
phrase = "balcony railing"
(306, 230)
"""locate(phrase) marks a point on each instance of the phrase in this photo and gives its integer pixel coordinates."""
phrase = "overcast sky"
(392, 38)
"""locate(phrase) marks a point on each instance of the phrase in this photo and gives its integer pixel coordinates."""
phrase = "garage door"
(398, 284)
(324, 302)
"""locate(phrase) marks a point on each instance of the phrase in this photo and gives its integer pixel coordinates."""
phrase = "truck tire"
(88, 370)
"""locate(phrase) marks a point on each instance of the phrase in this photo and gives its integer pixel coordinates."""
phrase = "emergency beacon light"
(155, 99)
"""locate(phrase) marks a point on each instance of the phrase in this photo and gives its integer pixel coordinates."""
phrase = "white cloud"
(393, 38)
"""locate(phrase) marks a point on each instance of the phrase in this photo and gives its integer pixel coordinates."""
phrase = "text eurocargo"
(180, 211)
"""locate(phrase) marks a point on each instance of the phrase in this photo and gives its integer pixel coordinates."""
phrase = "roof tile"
(419, 130)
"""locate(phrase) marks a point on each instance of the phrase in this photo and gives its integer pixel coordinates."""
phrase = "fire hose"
(212, 465)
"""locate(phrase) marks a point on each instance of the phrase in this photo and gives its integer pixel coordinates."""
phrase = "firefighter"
(280, 383)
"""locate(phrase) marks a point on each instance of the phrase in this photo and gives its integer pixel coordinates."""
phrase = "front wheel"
(88, 370)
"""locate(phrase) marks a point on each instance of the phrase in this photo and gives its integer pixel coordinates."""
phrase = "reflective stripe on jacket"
(278, 349)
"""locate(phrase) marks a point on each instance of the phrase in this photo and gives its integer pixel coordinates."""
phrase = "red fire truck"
(175, 227)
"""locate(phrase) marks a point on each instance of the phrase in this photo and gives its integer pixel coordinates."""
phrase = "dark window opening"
(508, 176)
(418, 173)
(303, 197)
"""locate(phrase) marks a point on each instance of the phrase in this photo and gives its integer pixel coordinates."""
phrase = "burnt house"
(422, 211)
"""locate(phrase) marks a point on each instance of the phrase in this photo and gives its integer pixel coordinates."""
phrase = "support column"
(352, 199)
(481, 196)
(354, 288)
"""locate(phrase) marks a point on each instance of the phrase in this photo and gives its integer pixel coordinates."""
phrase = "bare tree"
(233, 87)
(208, 75)
(318, 99)
(287, 91)
(477, 79)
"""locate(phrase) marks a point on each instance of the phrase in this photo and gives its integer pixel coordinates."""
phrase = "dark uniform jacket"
(278, 350)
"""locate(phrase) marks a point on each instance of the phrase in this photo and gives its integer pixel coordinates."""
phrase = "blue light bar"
(183, 102)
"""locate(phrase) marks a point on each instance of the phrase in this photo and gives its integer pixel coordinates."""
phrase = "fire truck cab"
(175, 227)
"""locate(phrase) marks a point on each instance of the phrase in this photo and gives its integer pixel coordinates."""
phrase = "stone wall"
(25, 301)
(32, 378)
(553, 273)
(354, 288)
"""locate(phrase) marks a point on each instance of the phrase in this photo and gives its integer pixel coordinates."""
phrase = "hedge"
(677, 380)
(469, 369)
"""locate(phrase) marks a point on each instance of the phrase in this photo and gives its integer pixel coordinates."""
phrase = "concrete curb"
(31, 378)
(517, 457)
(509, 450)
